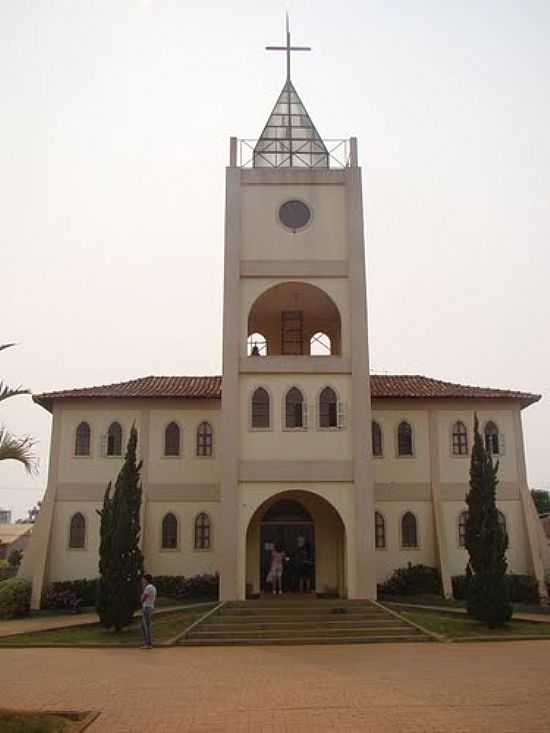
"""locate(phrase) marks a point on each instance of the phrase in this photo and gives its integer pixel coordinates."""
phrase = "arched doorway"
(287, 523)
(295, 518)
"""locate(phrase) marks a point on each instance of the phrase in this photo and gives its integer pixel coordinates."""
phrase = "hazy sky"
(114, 134)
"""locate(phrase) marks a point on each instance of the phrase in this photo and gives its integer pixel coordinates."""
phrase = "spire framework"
(290, 139)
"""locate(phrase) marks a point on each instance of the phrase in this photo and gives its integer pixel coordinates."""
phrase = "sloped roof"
(383, 386)
(11, 532)
(289, 138)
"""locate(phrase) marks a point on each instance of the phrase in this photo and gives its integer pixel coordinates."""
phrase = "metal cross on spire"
(288, 48)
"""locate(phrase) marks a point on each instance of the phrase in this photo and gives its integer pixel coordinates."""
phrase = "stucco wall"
(323, 239)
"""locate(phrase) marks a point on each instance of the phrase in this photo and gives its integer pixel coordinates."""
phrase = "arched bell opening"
(295, 319)
(312, 534)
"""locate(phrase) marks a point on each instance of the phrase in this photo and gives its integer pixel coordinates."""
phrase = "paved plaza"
(387, 687)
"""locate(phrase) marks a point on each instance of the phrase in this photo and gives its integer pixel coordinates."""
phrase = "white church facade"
(297, 439)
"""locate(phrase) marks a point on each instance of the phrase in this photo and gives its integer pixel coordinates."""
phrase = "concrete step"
(260, 623)
(314, 611)
(303, 640)
(207, 632)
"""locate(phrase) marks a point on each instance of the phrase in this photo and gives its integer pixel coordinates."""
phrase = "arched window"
(82, 441)
(460, 439)
(257, 345)
(320, 344)
(172, 440)
(462, 519)
(379, 531)
(404, 439)
(169, 532)
(376, 439)
(114, 439)
(260, 408)
(202, 532)
(205, 439)
(409, 535)
(328, 409)
(492, 442)
(77, 531)
(294, 408)
(502, 523)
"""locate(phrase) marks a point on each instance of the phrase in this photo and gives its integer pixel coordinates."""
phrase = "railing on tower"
(337, 153)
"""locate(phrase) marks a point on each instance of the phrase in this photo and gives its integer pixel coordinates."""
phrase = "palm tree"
(11, 447)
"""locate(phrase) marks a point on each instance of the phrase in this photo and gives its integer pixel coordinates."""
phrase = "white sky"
(114, 134)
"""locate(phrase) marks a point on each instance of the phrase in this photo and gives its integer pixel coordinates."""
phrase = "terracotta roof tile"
(383, 386)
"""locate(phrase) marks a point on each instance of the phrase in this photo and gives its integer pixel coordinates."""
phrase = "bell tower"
(296, 415)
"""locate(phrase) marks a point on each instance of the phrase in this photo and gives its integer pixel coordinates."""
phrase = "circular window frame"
(287, 228)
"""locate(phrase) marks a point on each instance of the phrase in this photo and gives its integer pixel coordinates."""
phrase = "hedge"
(70, 595)
(15, 598)
(522, 588)
(413, 580)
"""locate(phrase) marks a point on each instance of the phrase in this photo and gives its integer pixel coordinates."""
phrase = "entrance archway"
(297, 519)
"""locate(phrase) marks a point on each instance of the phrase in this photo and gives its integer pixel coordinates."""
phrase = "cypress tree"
(120, 559)
(486, 542)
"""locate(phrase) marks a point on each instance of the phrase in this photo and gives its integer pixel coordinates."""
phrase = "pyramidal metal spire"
(290, 139)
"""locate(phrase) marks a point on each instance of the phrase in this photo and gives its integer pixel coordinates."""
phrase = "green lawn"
(12, 721)
(458, 627)
(165, 626)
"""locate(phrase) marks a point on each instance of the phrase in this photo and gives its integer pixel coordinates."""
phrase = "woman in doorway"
(275, 575)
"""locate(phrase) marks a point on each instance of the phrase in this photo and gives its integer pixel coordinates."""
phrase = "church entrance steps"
(282, 621)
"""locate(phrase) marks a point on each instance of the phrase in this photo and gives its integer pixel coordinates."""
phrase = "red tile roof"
(400, 386)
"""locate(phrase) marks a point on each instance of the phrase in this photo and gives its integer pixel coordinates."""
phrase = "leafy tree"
(541, 497)
(486, 542)
(120, 559)
(11, 447)
(32, 514)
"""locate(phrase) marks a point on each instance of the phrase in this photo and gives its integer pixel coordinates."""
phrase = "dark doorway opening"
(287, 522)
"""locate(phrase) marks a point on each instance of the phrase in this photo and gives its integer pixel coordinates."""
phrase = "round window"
(294, 215)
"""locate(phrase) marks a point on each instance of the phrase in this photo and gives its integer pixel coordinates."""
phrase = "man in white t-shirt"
(148, 598)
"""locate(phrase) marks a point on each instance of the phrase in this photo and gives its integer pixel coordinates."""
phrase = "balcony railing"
(301, 155)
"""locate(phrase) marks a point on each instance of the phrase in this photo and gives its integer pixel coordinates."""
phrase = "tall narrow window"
(172, 440)
(492, 442)
(202, 532)
(292, 332)
(379, 531)
(460, 439)
(169, 532)
(294, 408)
(404, 439)
(462, 519)
(114, 440)
(502, 522)
(328, 408)
(82, 441)
(77, 531)
(409, 535)
(376, 439)
(205, 439)
(260, 408)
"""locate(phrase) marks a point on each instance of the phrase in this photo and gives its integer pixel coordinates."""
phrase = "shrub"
(14, 558)
(15, 598)
(70, 594)
(181, 588)
(413, 580)
(521, 588)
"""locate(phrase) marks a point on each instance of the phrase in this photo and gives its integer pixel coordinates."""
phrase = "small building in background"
(5, 516)
(14, 537)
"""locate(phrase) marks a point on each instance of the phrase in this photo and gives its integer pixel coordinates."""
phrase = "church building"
(297, 443)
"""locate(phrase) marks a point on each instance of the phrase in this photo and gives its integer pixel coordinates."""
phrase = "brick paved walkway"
(411, 688)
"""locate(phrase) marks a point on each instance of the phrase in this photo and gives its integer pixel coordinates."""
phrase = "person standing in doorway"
(275, 575)
(148, 598)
